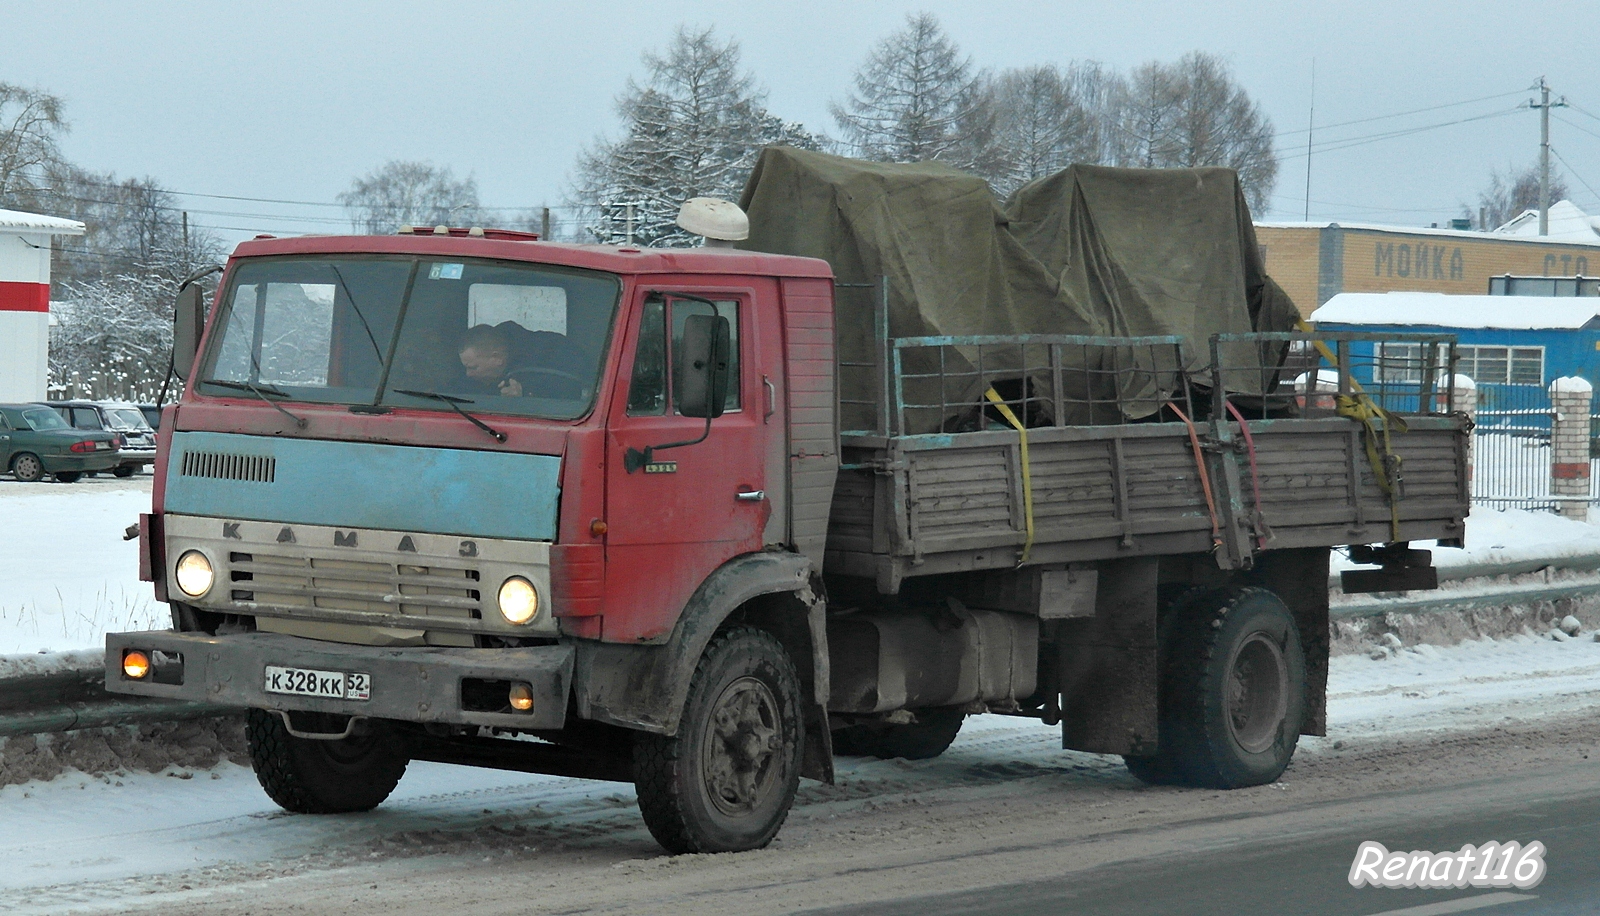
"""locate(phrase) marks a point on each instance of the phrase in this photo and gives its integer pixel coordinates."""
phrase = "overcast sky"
(291, 100)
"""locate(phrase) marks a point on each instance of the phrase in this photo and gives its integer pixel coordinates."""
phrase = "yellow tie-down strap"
(1027, 471)
(1360, 406)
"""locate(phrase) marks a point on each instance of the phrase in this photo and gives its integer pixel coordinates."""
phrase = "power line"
(270, 200)
(1574, 172)
(1575, 126)
(1578, 108)
(1349, 142)
(1401, 114)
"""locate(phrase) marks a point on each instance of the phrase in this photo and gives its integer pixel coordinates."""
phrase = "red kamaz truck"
(473, 497)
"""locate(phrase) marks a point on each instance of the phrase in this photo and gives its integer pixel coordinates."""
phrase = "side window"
(683, 308)
(648, 394)
(647, 391)
(85, 418)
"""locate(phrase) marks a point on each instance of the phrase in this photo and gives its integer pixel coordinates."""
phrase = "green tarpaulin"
(1086, 251)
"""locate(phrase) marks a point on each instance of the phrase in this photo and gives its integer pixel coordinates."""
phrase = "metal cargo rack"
(1032, 457)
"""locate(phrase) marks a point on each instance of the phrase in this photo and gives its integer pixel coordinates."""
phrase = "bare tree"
(693, 128)
(915, 99)
(1041, 126)
(30, 122)
(1512, 192)
(410, 194)
(1192, 113)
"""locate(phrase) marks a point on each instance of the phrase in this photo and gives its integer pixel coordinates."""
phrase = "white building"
(1568, 223)
(25, 301)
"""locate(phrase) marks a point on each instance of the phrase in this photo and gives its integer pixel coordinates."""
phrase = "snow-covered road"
(87, 841)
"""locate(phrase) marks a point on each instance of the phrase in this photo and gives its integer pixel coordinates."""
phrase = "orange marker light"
(598, 526)
(135, 664)
(521, 697)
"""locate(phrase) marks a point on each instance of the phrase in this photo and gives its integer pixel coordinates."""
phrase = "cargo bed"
(915, 505)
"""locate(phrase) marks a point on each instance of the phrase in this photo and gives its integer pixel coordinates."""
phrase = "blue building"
(1502, 340)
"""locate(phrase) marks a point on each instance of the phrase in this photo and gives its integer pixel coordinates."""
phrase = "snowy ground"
(66, 575)
(91, 841)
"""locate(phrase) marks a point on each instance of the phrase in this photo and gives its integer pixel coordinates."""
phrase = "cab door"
(692, 507)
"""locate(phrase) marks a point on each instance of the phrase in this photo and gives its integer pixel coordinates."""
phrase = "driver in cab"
(485, 355)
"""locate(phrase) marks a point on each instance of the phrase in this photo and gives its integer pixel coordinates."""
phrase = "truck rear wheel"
(726, 780)
(928, 737)
(1232, 692)
(312, 776)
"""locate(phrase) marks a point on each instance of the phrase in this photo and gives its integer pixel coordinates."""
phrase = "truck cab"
(429, 488)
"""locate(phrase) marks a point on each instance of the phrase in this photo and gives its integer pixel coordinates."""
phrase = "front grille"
(355, 585)
(225, 466)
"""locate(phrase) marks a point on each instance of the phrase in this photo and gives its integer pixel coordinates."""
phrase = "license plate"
(307, 682)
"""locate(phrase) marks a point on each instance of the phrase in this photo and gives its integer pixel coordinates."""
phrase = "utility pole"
(186, 232)
(1544, 105)
(1310, 123)
(544, 225)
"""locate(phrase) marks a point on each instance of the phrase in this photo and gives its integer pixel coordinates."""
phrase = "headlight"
(194, 574)
(519, 600)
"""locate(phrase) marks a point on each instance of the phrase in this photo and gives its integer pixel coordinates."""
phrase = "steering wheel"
(525, 375)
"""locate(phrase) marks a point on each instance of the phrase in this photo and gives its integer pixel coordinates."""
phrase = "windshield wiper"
(456, 403)
(261, 392)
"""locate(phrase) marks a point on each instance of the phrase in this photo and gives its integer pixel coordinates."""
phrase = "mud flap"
(1108, 664)
(1300, 578)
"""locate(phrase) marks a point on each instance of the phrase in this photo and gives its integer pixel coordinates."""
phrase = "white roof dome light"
(720, 222)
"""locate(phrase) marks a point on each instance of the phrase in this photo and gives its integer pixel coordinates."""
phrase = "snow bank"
(66, 575)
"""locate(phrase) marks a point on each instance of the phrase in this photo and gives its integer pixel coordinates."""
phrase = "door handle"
(750, 496)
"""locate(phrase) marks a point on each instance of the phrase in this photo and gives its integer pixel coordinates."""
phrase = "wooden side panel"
(1103, 492)
(813, 411)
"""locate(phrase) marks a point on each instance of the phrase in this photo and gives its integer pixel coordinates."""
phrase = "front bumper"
(136, 457)
(410, 684)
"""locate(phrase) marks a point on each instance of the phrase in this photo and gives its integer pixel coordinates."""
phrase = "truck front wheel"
(726, 780)
(313, 776)
(1232, 692)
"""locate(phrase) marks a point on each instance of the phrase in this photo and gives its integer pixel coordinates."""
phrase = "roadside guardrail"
(71, 699)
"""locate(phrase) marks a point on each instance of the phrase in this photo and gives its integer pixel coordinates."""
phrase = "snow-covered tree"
(692, 128)
(410, 194)
(113, 335)
(915, 99)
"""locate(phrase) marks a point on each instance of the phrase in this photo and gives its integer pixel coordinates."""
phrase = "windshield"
(41, 418)
(128, 418)
(502, 337)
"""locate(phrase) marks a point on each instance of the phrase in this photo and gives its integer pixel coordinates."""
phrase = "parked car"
(35, 441)
(152, 415)
(139, 449)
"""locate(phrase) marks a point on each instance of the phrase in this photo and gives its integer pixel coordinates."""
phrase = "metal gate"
(1511, 447)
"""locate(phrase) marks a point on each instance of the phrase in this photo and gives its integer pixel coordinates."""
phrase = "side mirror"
(188, 320)
(702, 366)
